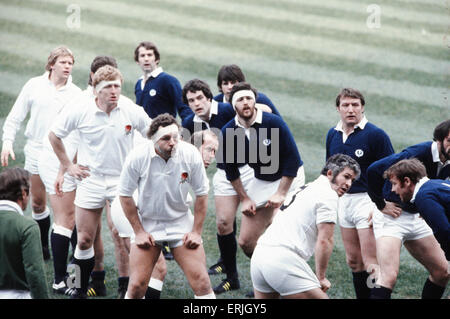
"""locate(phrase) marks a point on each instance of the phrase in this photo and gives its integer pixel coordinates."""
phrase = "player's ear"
(406, 181)
(330, 174)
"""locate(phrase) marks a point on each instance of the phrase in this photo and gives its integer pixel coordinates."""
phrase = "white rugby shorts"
(222, 186)
(32, 152)
(260, 191)
(171, 231)
(119, 219)
(48, 171)
(252, 185)
(354, 209)
(279, 269)
(94, 190)
(405, 227)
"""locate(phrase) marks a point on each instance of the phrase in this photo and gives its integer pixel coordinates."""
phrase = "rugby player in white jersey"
(163, 170)
(42, 97)
(304, 226)
(106, 124)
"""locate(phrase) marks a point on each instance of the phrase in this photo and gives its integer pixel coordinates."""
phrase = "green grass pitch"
(298, 52)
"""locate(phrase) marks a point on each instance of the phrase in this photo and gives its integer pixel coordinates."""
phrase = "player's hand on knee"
(144, 240)
(192, 240)
(392, 209)
(7, 150)
(324, 284)
(248, 207)
(78, 171)
(275, 201)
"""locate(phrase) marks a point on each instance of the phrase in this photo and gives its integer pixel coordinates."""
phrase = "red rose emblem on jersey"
(127, 129)
(184, 177)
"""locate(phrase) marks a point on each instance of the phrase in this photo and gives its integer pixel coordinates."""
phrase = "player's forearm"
(285, 184)
(60, 150)
(239, 188)
(200, 209)
(131, 213)
(324, 248)
(14, 120)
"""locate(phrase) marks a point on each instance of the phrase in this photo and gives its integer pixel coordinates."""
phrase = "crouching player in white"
(162, 172)
(207, 143)
(106, 124)
(303, 227)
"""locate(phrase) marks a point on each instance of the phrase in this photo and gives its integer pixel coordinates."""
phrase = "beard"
(444, 153)
(246, 115)
(166, 154)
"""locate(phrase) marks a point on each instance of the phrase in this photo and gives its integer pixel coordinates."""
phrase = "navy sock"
(85, 267)
(44, 227)
(380, 293)
(432, 291)
(60, 250)
(228, 249)
(73, 239)
(123, 282)
(98, 275)
(362, 290)
(152, 293)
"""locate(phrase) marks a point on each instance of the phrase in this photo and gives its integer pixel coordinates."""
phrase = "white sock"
(84, 254)
(128, 297)
(60, 230)
(156, 284)
(42, 215)
(211, 295)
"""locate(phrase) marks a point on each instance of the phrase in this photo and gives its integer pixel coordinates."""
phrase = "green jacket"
(21, 261)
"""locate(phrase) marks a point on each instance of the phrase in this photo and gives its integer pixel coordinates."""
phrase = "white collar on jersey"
(419, 184)
(214, 109)
(258, 119)
(361, 124)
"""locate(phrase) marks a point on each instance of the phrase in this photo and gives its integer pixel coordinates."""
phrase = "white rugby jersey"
(105, 140)
(163, 186)
(39, 97)
(295, 227)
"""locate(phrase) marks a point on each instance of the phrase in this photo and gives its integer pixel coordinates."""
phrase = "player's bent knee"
(201, 284)
(136, 289)
(247, 246)
(355, 264)
(38, 206)
(224, 227)
(84, 242)
(389, 278)
(441, 275)
(160, 271)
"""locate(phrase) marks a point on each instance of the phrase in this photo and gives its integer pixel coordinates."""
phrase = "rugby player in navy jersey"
(431, 196)
(213, 115)
(396, 222)
(231, 74)
(257, 139)
(227, 77)
(366, 143)
(207, 113)
(157, 91)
